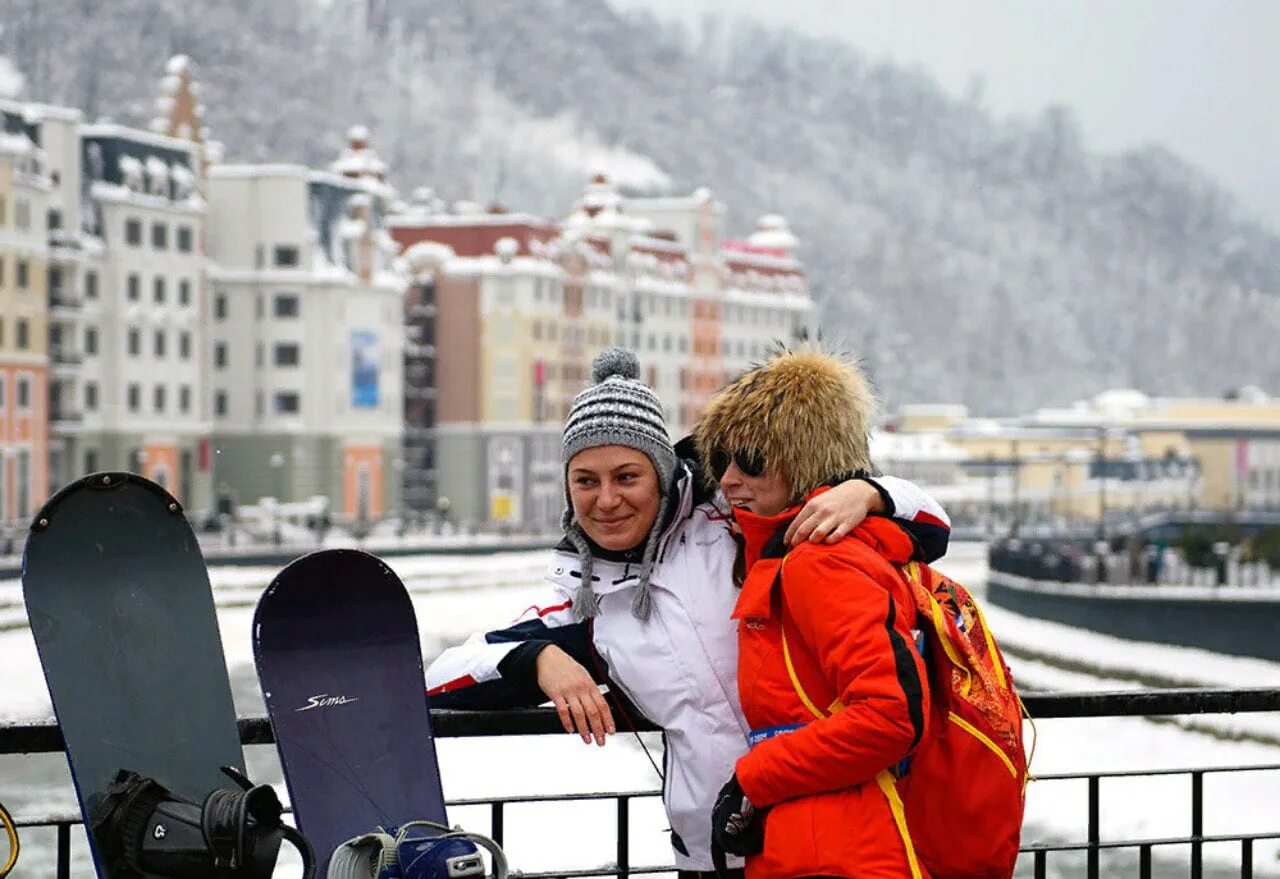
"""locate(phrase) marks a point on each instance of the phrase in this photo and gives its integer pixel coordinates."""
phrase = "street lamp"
(277, 468)
(402, 526)
(442, 511)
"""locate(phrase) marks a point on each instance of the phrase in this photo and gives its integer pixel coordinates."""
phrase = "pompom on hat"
(618, 410)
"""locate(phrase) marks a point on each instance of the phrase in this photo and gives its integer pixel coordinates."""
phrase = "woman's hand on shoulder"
(831, 515)
(581, 706)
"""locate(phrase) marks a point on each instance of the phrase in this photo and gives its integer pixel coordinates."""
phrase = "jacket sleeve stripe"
(908, 676)
(545, 611)
(455, 684)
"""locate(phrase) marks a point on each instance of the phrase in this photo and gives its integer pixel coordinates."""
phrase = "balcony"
(59, 415)
(60, 356)
(65, 301)
(414, 393)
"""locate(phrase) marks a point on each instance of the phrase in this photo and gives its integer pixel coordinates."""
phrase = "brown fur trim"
(808, 411)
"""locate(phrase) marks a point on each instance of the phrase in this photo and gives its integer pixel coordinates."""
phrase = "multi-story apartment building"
(696, 223)
(510, 338)
(766, 295)
(25, 186)
(132, 329)
(307, 334)
(522, 305)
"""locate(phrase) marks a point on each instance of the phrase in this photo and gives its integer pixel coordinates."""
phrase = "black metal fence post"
(1095, 822)
(1197, 823)
(624, 836)
(64, 851)
(495, 822)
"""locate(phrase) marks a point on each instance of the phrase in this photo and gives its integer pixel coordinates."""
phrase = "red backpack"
(964, 794)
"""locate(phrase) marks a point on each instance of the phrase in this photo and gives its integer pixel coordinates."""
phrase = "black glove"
(736, 826)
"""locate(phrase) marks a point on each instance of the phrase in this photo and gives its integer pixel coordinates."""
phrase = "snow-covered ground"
(455, 595)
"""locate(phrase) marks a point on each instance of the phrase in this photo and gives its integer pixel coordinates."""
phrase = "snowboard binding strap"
(440, 852)
(143, 826)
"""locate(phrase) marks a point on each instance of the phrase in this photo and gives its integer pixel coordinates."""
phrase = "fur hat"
(807, 411)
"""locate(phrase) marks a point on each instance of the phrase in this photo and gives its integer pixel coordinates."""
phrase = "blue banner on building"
(364, 369)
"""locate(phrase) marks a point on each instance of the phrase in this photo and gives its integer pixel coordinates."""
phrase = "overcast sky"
(1201, 77)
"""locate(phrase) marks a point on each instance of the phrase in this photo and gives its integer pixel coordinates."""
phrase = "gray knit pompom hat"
(618, 410)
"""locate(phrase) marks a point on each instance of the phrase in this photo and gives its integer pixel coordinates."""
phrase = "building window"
(220, 355)
(220, 307)
(159, 236)
(158, 287)
(24, 392)
(23, 272)
(286, 305)
(184, 292)
(184, 399)
(160, 346)
(22, 214)
(133, 232)
(135, 342)
(24, 334)
(257, 306)
(90, 340)
(91, 285)
(287, 403)
(287, 354)
(90, 396)
(55, 220)
(134, 284)
(184, 345)
(184, 239)
(159, 398)
(220, 403)
(257, 355)
(257, 404)
(91, 461)
(286, 256)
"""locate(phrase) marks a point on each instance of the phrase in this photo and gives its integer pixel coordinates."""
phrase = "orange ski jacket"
(826, 642)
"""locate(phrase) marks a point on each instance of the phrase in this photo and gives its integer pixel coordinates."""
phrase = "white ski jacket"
(678, 668)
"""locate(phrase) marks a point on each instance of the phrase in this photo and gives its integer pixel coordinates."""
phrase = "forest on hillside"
(998, 262)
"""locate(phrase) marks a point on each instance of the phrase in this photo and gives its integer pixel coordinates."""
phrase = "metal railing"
(46, 738)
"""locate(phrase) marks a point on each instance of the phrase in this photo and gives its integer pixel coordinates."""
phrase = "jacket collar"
(765, 550)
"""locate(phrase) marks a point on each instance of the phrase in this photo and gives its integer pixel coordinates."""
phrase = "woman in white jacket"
(641, 592)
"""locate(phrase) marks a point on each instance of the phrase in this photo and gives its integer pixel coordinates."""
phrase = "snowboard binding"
(143, 826)
(418, 850)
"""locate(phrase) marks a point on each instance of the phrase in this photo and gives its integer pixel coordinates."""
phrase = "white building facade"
(307, 332)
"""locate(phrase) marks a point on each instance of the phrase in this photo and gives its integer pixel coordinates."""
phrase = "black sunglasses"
(749, 461)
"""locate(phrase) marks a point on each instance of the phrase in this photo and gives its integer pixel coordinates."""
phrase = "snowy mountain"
(966, 258)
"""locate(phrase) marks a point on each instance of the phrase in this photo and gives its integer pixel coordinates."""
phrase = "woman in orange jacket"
(830, 677)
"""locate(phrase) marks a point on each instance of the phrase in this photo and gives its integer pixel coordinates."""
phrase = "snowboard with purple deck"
(335, 640)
